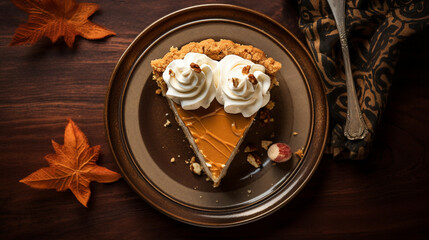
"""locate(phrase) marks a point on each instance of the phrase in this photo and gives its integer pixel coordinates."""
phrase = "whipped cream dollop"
(190, 81)
(241, 85)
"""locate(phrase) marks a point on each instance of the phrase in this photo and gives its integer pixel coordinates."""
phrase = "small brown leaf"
(56, 18)
(72, 166)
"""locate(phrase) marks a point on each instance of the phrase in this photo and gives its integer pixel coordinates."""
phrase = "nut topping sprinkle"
(253, 79)
(171, 73)
(245, 70)
(235, 82)
(195, 67)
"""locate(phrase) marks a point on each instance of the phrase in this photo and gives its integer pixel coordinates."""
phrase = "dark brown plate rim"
(210, 218)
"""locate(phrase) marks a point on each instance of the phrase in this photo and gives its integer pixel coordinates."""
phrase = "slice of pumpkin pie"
(215, 89)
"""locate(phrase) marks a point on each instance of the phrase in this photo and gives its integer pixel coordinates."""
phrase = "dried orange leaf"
(72, 166)
(56, 18)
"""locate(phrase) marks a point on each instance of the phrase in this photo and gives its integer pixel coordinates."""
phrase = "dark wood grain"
(385, 197)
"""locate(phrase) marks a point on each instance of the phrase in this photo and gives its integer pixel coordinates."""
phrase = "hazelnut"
(279, 152)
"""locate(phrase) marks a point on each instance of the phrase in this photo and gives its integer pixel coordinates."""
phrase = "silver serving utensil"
(355, 125)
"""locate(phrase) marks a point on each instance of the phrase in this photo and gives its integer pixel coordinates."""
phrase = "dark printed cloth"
(375, 30)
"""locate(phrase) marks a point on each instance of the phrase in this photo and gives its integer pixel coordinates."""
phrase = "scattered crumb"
(196, 187)
(294, 133)
(249, 191)
(271, 119)
(167, 123)
(217, 201)
(183, 140)
(272, 135)
(201, 196)
(274, 163)
(254, 160)
(187, 161)
(178, 129)
(270, 105)
(265, 144)
(207, 179)
(192, 159)
(178, 155)
(264, 115)
(166, 114)
(195, 168)
(300, 153)
(172, 160)
(249, 148)
(158, 91)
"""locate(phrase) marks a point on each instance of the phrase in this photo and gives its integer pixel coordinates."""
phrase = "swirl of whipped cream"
(190, 81)
(241, 85)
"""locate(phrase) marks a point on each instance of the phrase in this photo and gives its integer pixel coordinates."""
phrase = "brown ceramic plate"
(135, 115)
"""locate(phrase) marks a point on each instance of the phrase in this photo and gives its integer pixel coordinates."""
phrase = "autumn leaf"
(56, 18)
(72, 166)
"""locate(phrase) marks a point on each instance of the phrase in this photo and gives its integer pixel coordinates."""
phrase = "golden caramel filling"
(215, 132)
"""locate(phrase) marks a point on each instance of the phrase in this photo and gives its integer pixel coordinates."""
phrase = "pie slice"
(215, 128)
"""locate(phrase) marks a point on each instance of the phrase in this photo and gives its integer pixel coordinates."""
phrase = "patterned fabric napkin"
(375, 30)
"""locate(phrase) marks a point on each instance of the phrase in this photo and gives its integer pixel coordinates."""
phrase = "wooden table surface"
(384, 197)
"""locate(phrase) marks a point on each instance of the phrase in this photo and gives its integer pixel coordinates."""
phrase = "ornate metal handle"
(355, 125)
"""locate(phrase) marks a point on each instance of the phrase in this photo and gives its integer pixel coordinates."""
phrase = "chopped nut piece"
(172, 160)
(235, 82)
(265, 144)
(253, 79)
(171, 73)
(158, 91)
(195, 168)
(294, 133)
(300, 153)
(249, 148)
(254, 160)
(246, 69)
(196, 67)
(167, 123)
(270, 105)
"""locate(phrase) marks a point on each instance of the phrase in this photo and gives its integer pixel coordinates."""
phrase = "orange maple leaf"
(56, 18)
(72, 166)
